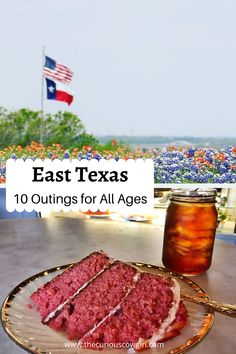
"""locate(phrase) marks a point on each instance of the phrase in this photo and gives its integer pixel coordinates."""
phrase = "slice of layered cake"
(103, 303)
(57, 291)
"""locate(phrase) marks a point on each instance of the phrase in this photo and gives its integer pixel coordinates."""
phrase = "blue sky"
(149, 67)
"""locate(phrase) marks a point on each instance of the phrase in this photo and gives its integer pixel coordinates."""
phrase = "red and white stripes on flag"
(57, 71)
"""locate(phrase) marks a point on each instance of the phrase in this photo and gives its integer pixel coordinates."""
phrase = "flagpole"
(42, 97)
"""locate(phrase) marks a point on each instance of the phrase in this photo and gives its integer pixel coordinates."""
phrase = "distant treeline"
(157, 141)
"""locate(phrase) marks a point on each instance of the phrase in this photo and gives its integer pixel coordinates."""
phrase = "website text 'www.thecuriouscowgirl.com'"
(94, 345)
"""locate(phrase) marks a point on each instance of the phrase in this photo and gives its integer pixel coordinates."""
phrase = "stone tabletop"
(30, 246)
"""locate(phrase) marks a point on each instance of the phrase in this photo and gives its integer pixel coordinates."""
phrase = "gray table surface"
(30, 246)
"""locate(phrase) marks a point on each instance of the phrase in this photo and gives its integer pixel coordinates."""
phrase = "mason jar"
(190, 227)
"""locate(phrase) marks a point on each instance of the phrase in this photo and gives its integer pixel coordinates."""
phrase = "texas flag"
(58, 92)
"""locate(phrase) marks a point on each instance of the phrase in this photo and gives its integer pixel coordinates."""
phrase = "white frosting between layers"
(169, 319)
(54, 312)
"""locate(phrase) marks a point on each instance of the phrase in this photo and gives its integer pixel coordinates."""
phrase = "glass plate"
(23, 325)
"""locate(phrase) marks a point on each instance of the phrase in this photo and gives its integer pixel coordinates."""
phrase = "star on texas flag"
(56, 91)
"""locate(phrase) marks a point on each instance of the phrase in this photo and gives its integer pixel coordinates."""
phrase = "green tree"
(85, 140)
(21, 127)
(62, 128)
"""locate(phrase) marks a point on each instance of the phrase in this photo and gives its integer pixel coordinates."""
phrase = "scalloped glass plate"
(23, 325)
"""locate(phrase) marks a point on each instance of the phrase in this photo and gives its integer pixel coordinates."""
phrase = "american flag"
(57, 71)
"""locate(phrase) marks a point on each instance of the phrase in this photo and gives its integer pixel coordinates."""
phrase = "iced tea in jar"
(190, 228)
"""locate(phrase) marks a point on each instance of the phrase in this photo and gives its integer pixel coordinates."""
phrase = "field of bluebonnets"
(171, 164)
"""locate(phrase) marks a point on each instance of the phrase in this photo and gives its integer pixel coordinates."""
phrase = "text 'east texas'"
(82, 175)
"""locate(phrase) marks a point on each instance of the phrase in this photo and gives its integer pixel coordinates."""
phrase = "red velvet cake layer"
(49, 296)
(95, 301)
(141, 314)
